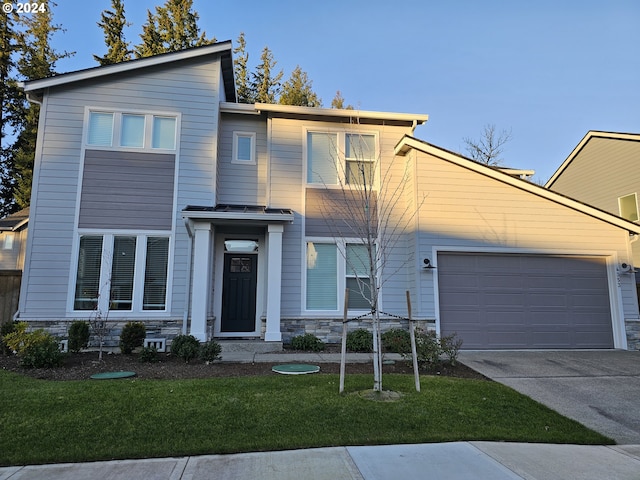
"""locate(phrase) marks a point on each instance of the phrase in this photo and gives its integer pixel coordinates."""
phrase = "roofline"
(408, 143)
(101, 71)
(590, 134)
(258, 108)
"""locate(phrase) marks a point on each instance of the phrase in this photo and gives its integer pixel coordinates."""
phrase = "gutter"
(187, 303)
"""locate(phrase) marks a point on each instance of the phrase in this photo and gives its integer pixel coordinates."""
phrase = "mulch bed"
(80, 366)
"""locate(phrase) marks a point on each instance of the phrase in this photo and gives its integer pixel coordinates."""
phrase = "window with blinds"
(322, 269)
(155, 275)
(88, 276)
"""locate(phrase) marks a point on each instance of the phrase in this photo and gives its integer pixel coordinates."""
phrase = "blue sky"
(548, 70)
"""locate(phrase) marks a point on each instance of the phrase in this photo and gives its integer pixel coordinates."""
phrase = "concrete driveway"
(598, 388)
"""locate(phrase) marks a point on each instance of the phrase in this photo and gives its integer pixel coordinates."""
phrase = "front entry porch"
(237, 271)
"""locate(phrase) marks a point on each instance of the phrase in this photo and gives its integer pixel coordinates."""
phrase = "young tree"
(489, 147)
(172, 28)
(113, 23)
(265, 85)
(338, 102)
(372, 208)
(38, 60)
(241, 70)
(297, 90)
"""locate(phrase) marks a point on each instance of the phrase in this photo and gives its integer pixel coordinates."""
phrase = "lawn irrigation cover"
(295, 369)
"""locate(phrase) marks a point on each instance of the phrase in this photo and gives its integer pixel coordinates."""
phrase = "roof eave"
(343, 113)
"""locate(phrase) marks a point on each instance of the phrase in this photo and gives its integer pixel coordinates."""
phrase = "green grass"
(47, 422)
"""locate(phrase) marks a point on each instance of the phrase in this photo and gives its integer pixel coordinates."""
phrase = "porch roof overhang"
(246, 214)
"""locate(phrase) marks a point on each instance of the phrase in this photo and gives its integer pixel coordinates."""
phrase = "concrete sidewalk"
(444, 461)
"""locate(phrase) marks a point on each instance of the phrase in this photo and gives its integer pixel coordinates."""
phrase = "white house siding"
(604, 170)
(467, 210)
(189, 88)
(242, 184)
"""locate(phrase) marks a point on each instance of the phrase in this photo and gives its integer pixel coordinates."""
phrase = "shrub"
(186, 347)
(451, 347)
(6, 329)
(149, 354)
(430, 348)
(360, 340)
(19, 338)
(210, 351)
(42, 352)
(78, 336)
(307, 342)
(132, 336)
(397, 340)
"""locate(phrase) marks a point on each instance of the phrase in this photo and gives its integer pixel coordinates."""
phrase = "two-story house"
(157, 197)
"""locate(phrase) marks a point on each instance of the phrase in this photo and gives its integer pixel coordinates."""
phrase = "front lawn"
(76, 421)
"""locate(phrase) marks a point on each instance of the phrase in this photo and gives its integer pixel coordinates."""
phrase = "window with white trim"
(244, 148)
(628, 206)
(330, 268)
(131, 130)
(335, 158)
(8, 240)
(122, 273)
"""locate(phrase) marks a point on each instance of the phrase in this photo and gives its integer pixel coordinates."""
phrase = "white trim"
(234, 148)
(610, 257)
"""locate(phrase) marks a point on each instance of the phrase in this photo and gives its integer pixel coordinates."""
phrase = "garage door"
(524, 301)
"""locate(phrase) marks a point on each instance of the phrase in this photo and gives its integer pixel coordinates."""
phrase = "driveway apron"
(598, 388)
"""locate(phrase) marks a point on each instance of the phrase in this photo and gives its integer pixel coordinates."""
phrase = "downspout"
(413, 127)
(187, 294)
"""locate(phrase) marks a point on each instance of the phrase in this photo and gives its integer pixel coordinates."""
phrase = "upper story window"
(244, 148)
(131, 130)
(341, 158)
(629, 207)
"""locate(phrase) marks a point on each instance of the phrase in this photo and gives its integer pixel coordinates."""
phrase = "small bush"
(43, 352)
(397, 340)
(451, 347)
(78, 336)
(186, 347)
(430, 348)
(307, 342)
(19, 338)
(360, 340)
(210, 351)
(6, 329)
(132, 336)
(149, 355)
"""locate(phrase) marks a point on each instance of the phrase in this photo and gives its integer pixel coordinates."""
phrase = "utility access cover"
(295, 369)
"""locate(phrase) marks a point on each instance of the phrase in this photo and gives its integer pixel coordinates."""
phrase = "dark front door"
(239, 293)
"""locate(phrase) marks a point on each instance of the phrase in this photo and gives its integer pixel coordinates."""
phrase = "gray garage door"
(524, 301)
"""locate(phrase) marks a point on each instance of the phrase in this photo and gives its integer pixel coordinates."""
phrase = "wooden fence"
(9, 294)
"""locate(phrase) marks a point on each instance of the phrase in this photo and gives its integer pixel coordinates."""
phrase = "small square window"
(100, 129)
(629, 207)
(132, 132)
(244, 148)
(164, 133)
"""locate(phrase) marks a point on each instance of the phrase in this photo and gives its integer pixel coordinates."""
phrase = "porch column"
(201, 280)
(274, 282)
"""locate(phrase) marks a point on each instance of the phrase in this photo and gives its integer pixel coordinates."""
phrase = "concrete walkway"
(443, 461)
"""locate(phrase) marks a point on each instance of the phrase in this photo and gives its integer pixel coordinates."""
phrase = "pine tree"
(241, 70)
(172, 28)
(113, 23)
(338, 102)
(297, 90)
(37, 61)
(266, 86)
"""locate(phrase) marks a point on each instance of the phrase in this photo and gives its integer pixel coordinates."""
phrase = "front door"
(239, 292)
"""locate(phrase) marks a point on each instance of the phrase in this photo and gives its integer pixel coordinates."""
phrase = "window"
(100, 129)
(322, 269)
(132, 268)
(8, 240)
(132, 130)
(360, 155)
(333, 267)
(341, 158)
(629, 207)
(244, 148)
(322, 155)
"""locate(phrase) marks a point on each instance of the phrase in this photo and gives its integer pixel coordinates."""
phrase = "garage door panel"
(498, 301)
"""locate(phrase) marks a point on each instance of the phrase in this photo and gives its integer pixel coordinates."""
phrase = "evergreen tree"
(266, 86)
(297, 90)
(37, 61)
(11, 103)
(338, 102)
(113, 23)
(172, 28)
(241, 70)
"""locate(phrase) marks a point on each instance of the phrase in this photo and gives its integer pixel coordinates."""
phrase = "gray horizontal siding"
(127, 190)
(338, 213)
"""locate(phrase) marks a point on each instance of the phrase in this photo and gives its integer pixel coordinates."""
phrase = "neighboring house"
(13, 241)
(158, 198)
